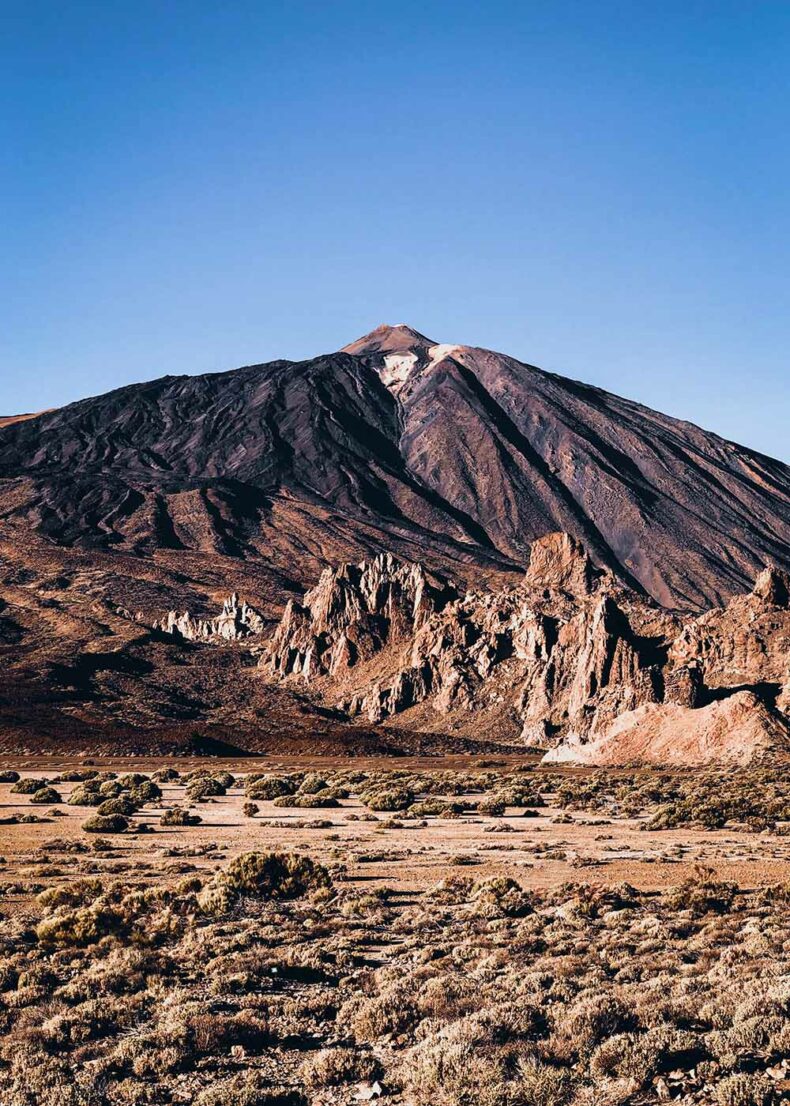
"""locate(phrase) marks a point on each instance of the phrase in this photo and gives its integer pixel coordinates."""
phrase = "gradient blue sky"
(598, 188)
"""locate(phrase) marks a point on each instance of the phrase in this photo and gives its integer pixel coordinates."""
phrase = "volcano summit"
(174, 494)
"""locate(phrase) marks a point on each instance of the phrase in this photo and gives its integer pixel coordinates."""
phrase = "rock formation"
(730, 731)
(236, 620)
(352, 614)
(571, 656)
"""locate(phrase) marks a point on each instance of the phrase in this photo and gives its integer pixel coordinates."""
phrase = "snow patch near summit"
(439, 352)
(396, 369)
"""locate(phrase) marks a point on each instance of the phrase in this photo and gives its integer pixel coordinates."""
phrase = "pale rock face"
(559, 562)
(235, 621)
(773, 587)
(568, 653)
(745, 643)
(352, 613)
(396, 369)
(731, 731)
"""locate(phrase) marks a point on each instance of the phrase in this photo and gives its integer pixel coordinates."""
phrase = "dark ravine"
(172, 495)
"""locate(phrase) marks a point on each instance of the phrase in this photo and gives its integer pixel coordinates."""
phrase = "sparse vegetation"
(187, 973)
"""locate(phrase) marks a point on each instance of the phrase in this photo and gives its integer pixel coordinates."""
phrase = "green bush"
(110, 823)
(132, 779)
(85, 795)
(46, 796)
(268, 787)
(263, 876)
(307, 802)
(110, 789)
(28, 786)
(121, 805)
(492, 807)
(145, 792)
(166, 775)
(388, 798)
(204, 787)
(312, 783)
(436, 806)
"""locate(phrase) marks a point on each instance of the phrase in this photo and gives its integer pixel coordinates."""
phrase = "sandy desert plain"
(449, 930)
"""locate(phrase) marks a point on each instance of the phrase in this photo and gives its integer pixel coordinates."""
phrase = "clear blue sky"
(599, 188)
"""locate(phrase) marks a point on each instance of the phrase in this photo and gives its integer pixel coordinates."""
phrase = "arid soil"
(408, 854)
(418, 931)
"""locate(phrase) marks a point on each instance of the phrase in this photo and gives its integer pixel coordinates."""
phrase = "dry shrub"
(745, 1090)
(248, 1089)
(332, 1066)
(177, 816)
(591, 1019)
(263, 876)
(78, 893)
(702, 893)
(500, 896)
(627, 1056)
(106, 823)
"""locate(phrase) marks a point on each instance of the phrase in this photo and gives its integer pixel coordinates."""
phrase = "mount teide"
(451, 455)
(171, 495)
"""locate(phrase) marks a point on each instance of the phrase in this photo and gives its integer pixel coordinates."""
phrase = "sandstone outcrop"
(352, 614)
(746, 643)
(571, 658)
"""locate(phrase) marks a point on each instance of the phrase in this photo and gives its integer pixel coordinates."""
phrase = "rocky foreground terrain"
(433, 936)
(130, 520)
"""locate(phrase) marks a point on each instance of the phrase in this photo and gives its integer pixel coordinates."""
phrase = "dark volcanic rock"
(454, 456)
(169, 496)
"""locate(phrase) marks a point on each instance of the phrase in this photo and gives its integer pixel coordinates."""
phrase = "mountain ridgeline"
(453, 456)
(403, 545)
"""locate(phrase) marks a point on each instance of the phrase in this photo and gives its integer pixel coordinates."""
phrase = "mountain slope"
(451, 455)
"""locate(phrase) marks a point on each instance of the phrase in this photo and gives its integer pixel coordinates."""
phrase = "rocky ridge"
(236, 620)
(562, 658)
